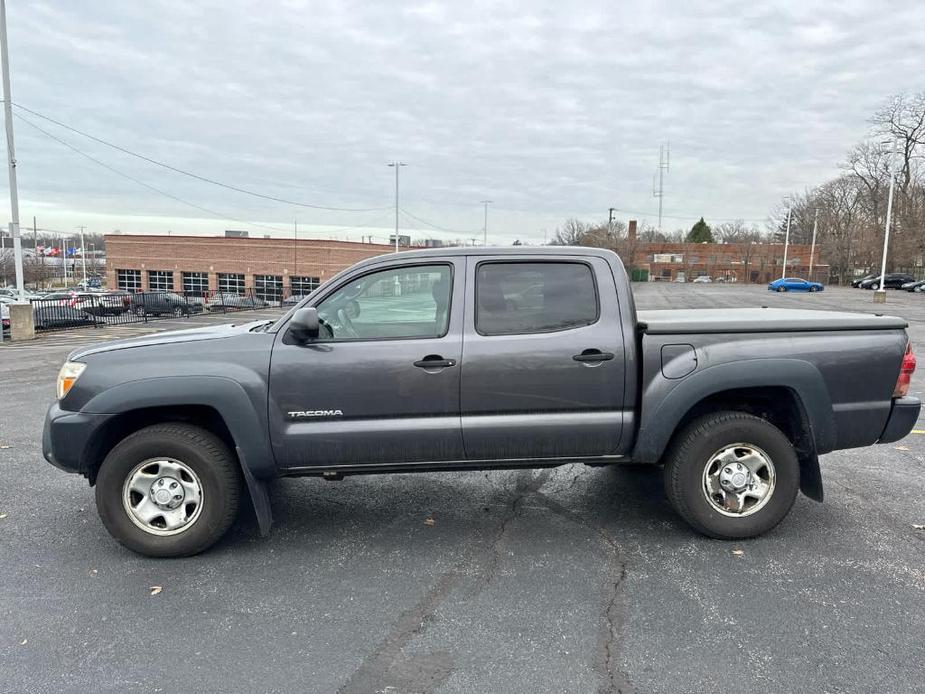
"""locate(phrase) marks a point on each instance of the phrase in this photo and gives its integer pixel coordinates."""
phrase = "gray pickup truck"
(456, 359)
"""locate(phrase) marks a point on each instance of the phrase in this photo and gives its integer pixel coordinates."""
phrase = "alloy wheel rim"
(739, 480)
(162, 496)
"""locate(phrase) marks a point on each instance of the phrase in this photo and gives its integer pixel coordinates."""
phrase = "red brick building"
(218, 263)
(755, 263)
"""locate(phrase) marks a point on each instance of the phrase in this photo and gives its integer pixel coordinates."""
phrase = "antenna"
(658, 181)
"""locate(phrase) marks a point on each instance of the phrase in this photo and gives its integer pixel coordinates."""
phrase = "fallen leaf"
(156, 589)
(738, 552)
(93, 572)
(2, 516)
(916, 526)
(901, 448)
(429, 521)
(24, 642)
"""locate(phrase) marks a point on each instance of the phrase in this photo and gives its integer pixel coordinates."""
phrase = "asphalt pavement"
(575, 579)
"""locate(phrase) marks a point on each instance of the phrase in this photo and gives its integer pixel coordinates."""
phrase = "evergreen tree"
(700, 233)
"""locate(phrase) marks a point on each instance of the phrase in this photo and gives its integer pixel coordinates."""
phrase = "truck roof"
(760, 320)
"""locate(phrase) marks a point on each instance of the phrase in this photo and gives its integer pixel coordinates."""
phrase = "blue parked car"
(794, 284)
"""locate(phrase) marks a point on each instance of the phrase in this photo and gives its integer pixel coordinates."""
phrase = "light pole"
(880, 293)
(11, 151)
(83, 254)
(812, 248)
(485, 227)
(397, 165)
(783, 272)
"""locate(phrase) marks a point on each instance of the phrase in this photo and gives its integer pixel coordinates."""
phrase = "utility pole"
(485, 227)
(783, 272)
(880, 293)
(83, 255)
(658, 185)
(812, 248)
(397, 165)
(295, 246)
(11, 151)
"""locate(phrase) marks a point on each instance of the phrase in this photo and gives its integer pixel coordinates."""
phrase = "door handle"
(592, 355)
(434, 361)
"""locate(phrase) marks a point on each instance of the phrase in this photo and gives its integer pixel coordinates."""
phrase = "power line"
(198, 177)
(437, 226)
(106, 166)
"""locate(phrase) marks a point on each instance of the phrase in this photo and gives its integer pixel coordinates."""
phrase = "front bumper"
(67, 436)
(904, 413)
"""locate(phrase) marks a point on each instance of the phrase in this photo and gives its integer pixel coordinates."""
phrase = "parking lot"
(574, 579)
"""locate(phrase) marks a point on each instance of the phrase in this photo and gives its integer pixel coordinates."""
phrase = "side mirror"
(305, 325)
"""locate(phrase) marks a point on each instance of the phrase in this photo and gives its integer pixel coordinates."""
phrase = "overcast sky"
(549, 109)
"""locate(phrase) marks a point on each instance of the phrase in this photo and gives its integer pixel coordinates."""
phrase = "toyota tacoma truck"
(481, 359)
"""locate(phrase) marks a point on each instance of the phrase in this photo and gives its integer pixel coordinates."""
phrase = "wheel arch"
(216, 404)
(790, 394)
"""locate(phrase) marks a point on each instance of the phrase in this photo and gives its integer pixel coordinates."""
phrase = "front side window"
(410, 302)
(518, 298)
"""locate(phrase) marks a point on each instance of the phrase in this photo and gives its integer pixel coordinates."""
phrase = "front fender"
(245, 419)
(665, 402)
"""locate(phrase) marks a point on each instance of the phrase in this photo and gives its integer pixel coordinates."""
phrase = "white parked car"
(703, 279)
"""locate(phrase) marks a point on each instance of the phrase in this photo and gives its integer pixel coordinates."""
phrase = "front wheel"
(168, 490)
(731, 475)
(813, 289)
(179, 312)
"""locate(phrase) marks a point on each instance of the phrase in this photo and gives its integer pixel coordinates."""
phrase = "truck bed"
(759, 320)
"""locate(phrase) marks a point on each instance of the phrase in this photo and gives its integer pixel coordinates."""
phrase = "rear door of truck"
(543, 358)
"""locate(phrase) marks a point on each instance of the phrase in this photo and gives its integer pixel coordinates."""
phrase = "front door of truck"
(544, 359)
(381, 383)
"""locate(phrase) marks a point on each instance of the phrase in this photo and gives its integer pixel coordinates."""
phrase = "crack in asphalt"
(527, 483)
(425, 672)
(615, 680)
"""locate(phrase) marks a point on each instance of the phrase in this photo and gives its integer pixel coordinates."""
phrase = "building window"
(160, 280)
(196, 282)
(302, 286)
(130, 280)
(268, 287)
(230, 283)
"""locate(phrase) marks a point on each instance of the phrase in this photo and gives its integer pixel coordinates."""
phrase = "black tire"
(179, 312)
(813, 289)
(691, 451)
(139, 310)
(782, 289)
(215, 465)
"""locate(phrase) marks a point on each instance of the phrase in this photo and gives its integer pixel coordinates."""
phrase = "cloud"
(549, 109)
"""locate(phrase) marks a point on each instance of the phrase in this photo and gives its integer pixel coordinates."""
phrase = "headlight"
(68, 376)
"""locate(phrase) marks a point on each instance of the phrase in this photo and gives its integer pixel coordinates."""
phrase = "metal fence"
(70, 310)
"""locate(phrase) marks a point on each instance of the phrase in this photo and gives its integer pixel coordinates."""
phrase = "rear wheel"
(782, 288)
(875, 286)
(179, 312)
(169, 490)
(731, 475)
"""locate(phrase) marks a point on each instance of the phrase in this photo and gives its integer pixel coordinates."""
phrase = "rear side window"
(518, 298)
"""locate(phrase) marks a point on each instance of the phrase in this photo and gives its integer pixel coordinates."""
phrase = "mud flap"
(811, 476)
(259, 497)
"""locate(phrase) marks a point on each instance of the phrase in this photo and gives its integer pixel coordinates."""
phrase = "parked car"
(60, 316)
(893, 280)
(703, 279)
(163, 303)
(857, 282)
(794, 284)
(235, 302)
(736, 403)
(104, 304)
(913, 286)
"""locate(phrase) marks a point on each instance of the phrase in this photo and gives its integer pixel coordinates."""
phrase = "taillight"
(905, 373)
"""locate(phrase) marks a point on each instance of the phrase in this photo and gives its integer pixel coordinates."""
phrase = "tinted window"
(513, 298)
(411, 302)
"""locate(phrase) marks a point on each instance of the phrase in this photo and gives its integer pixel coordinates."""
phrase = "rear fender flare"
(675, 399)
